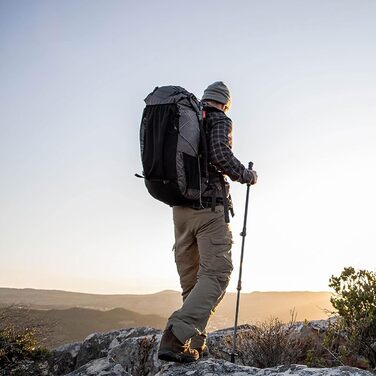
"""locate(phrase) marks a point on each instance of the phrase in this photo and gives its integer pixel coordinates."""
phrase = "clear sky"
(73, 76)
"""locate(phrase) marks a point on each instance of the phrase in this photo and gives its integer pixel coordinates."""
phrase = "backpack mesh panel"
(160, 140)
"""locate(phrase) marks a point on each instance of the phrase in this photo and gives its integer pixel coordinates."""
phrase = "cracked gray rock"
(64, 358)
(97, 345)
(100, 367)
(218, 367)
(138, 355)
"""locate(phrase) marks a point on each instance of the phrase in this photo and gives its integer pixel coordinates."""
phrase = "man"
(203, 238)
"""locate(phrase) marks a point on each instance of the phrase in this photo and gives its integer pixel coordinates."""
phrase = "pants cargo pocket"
(221, 248)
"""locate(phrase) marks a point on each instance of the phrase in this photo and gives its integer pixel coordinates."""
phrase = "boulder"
(138, 355)
(98, 345)
(100, 367)
(64, 358)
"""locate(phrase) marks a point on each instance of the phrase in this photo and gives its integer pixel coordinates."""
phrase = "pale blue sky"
(73, 77)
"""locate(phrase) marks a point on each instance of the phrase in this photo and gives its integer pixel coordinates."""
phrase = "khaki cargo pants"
(203, 258)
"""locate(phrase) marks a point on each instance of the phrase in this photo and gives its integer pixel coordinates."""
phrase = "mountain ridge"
(254, 306)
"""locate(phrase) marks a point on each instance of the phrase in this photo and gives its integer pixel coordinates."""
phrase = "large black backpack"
(173, 146)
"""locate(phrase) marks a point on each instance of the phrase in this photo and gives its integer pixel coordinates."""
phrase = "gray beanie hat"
(218, 92)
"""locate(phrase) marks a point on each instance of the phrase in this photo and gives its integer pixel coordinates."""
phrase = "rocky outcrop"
(133, 352)
(64, 358)
(115, 346)
(214, 367)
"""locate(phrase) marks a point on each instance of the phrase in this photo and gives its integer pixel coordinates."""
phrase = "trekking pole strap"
(225, 200)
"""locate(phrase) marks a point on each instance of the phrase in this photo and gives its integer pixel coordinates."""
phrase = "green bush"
(354, 334)
(16, 346)
(19, 338)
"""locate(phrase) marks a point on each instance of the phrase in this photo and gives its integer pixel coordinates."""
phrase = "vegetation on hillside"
(19, 342)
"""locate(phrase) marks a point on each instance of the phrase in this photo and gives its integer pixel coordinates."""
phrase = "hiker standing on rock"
(203, 237)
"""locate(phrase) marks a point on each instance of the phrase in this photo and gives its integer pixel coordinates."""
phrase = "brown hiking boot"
(203, 351)
(172, 350)
(198, 343)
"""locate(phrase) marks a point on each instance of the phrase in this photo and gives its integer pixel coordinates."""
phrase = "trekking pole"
(239, 287)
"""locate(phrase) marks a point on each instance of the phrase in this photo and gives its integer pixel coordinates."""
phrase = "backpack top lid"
(166, 95)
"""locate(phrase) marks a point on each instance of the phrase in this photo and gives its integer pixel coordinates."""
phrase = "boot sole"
(170, 356)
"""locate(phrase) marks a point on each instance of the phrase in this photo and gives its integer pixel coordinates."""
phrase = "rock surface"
(64, 358)
(98, 345)
(27, 368)
(133, 352)
(100, 367)
(214, 367)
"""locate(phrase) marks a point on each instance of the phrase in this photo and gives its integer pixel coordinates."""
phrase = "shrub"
(270, 345)
(15, 347)
(273, 342)
(18, 343)
(353, 337)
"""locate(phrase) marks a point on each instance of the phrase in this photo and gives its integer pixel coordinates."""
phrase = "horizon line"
(160, 291)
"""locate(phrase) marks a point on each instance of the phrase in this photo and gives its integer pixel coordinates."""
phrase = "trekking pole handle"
(250, 167)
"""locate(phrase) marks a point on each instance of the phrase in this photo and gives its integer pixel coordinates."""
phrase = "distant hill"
(259, 306)
(255, 306)
(162, 302)
(75, 324)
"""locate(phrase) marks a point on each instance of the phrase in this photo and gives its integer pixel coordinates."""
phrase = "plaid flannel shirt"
(220, 156)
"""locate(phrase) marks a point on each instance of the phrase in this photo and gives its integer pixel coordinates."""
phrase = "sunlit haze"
(73, 78)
